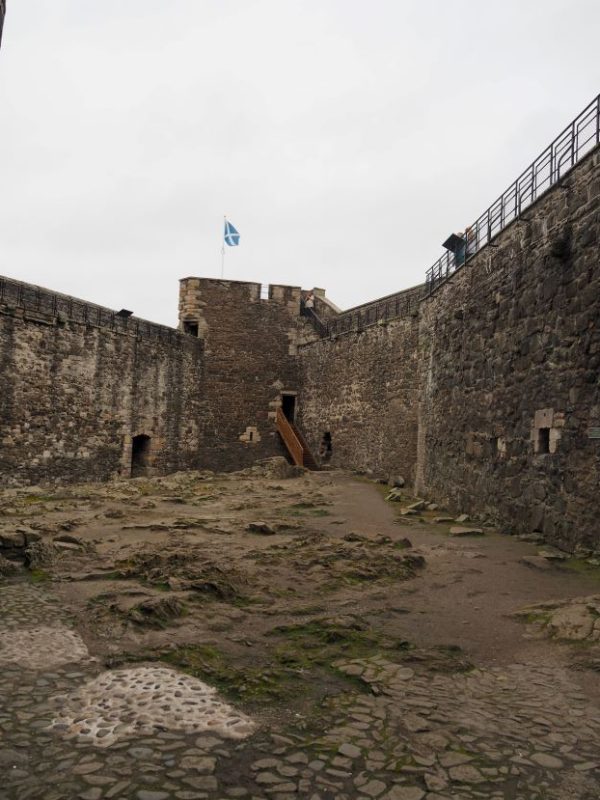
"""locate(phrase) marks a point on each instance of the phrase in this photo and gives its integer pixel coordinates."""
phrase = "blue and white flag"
(231, 236)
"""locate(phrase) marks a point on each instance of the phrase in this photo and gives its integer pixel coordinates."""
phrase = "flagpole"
(223, 248)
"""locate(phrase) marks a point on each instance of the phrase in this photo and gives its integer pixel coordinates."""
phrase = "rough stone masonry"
(485, 395)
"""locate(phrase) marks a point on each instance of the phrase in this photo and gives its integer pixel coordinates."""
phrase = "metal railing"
(376, 312)
(576, 141)
(42, 301)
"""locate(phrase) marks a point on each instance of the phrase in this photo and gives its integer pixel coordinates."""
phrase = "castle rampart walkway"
(62, 307)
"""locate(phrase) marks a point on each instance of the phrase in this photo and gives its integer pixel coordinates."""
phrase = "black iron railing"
(575, 142)
(42, 301)
(400, 304)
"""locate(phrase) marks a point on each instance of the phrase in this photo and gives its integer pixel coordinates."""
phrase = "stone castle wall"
(251, 343)
(78, 383)
(361, 388)
(510, 363)
(490, 399)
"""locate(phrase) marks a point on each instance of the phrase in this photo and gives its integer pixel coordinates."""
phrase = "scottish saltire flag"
(232, 237)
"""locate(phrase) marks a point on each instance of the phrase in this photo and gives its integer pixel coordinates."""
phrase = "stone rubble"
(576, 620)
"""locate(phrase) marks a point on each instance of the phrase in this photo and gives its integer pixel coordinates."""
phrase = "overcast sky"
(345, 139)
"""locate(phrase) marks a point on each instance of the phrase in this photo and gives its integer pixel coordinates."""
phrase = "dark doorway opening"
(288, 406)
(544, 440)
(140, 455)
(326, 448)
(190, 328)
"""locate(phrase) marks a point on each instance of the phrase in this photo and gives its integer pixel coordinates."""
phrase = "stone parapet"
(51, 307)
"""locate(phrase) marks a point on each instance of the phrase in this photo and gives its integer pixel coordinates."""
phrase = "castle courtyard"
(304, 507)
(277, 633)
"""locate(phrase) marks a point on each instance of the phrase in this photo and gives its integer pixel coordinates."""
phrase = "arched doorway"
(140, 455)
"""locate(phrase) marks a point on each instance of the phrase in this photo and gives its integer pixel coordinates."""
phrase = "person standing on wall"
(460, 252)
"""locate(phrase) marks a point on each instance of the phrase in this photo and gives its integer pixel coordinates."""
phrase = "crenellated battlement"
(196, 295)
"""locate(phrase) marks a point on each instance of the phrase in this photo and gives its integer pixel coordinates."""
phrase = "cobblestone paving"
(524, 732)
(141, 701)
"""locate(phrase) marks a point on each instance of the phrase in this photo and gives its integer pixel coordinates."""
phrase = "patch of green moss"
(56, 497)
(536, 617)
(252, 684)
(581, 566)
(38, 576)
(32, 499)
(320, 642)
(300, 663)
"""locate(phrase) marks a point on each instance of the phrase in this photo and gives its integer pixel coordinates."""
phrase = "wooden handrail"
(290, 439)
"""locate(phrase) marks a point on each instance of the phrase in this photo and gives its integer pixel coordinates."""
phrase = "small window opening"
(494, 445)
(140, 455)
(251, 436)
(326, 448)
(543, 440)
(190, 328)
(264, 291)
(288, 406)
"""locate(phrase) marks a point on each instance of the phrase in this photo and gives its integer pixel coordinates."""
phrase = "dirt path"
(471, 586)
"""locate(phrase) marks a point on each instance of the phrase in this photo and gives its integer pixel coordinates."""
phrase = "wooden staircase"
(295, 443)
